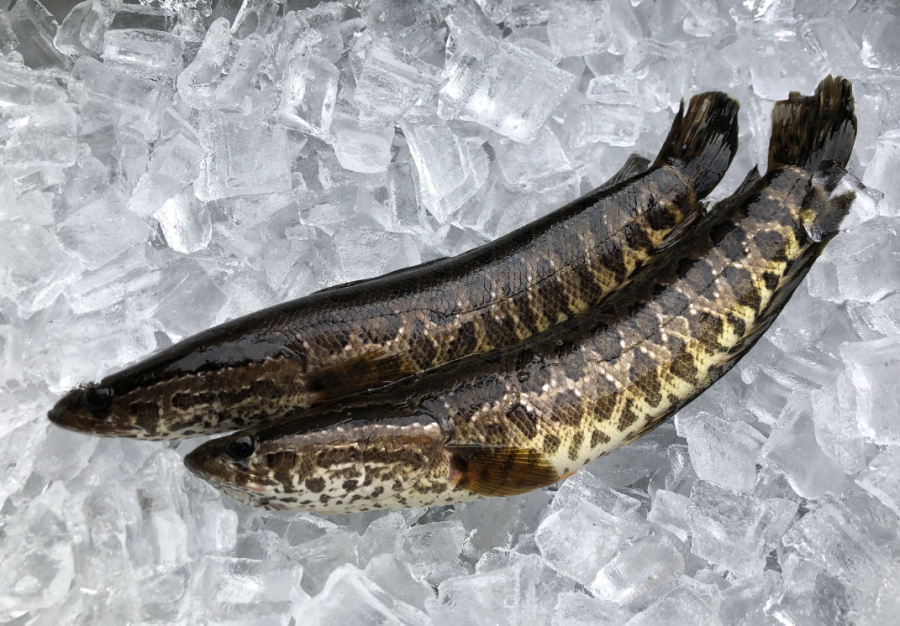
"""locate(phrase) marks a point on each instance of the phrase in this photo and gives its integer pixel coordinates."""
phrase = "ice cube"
(39, 561)
(39, 136)
(686, 604)
(432, 551)
(721, 451)
(735, 530)
(197, 83)
(442, 161)
(361, 146)
(840, 49)
(639, 573)
(187, 300)
(392, 81)
(35, 28)
(322, 555)
(505, 595)
(474, 91)
(873, 368)
(135, 99)
(579, 540)
(498, 523)
(68, 36)
(238, 92)
(670, 511)
(396, 579)
(99, 232)
(364, 253)
(396, 19)
(132, 271)
(244, 156)
(152, 54)
(703, 18)
(641, 458)
(255, 17)
(838, 539)
(308, 95)
(391, 199)
(173, 166)
(811, 596)
(538, 165)
(21, 86)
(837, 429)
(579, 27)
(613, 124)
(185, 222)
(885, 161)
(779, 67)
(228, 590)
(879, 48)
(585, 486)
(621, 89)
(350, 597)
(578, 609)
(882, 478)
(792, 449)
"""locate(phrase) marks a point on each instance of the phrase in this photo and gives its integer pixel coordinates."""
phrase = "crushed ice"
(168, 165)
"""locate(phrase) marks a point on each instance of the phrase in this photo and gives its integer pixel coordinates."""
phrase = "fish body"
(517, 419)
(368, 334)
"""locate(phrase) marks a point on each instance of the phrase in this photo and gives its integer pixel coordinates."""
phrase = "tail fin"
(808, 130)
(702, 142)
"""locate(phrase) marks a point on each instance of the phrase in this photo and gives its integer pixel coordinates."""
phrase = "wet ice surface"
(164, 168)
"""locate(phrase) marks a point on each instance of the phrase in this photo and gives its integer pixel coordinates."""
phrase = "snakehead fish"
(367, 334)
(517, 419)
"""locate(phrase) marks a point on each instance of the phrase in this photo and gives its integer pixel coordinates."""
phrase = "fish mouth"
(70, 412)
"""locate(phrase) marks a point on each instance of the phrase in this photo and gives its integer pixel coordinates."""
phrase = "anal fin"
(497, 471)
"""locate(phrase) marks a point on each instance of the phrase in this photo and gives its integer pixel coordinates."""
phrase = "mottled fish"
(518, 419)
(367, 334)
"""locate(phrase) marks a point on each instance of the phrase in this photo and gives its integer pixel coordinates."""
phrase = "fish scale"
(365, 335)
(524, 417)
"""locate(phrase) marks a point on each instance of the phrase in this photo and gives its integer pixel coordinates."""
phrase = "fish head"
(332, 462)
(205, 385)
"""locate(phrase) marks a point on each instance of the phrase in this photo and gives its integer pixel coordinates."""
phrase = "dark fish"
(521, 418)
(367, 334)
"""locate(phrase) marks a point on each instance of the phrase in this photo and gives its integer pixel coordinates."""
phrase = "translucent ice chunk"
(134, 270)
(237, 92)
(392, 81)
(837, 429)
(350, 597)
(396, 19)
(721, 451)
(879, 47)
(873, 368)
(627, 464)
(38, 561)
(185, 222)
(173, 166)
(361, 146)
(34, 269)
(639, 573)
(683, 605)
(811, 596)
(431, 551)
(538, 165)
(670, 511)
(613, 124)
(227, 589)
(365, 253)
(883, 164)
(586, 486)
(186, 300)
(474, 91)
(68, 36)
(735, 530)
(39, 136)
(138, 100)
(792, 449)
(836, 537)
(21, 86)
(882, 478)
(579, 27)
(622, 89)
(35, 28)
(396, 579)
(99, 232)
(149, 53)
(579, 540)
(504, 595)
(198, 81)
(578, 609)
(308, 95)
(243, 157)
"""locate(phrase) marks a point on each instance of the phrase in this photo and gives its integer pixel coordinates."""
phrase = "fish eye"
(97, 399)
(240, 448)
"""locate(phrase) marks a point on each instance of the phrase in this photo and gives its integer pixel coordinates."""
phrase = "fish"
(367, 334)
(514, 420)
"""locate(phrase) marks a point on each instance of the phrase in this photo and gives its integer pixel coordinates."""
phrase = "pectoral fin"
(367, 371)
(499, 470)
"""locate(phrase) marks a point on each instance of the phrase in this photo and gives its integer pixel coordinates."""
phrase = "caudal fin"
(703, 141)
(809, 130)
